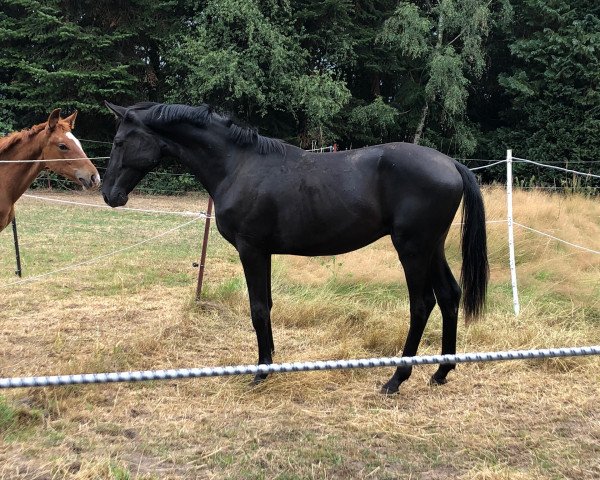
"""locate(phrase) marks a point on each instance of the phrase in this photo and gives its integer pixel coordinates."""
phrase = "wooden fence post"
(204, 244)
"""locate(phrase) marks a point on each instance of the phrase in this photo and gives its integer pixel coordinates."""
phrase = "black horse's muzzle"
(115, 198)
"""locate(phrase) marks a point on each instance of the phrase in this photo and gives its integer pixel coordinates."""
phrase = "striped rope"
(147, 375)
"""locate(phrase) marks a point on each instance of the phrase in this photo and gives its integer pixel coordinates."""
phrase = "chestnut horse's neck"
(15, 178)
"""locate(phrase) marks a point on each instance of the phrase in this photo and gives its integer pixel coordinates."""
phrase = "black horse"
(273, 198)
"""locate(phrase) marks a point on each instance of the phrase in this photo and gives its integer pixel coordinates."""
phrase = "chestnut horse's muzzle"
(92, 182)
(87, 179)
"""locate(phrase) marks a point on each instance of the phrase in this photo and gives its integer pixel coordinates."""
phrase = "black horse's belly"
(324, 243)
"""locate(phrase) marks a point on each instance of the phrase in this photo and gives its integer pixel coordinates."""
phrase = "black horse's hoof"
(389, 389)
(437, 381)
(258, 379)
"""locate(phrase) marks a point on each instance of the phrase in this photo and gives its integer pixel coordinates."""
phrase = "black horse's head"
(136, 150)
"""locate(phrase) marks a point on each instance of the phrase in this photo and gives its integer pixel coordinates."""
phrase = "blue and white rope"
(183, 373)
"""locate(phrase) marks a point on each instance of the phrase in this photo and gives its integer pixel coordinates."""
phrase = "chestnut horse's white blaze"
(75, 139)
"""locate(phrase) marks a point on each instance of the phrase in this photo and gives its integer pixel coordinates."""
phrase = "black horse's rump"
(273, 198)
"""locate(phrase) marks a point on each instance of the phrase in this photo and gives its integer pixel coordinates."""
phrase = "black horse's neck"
(202, 151)
(209, 144)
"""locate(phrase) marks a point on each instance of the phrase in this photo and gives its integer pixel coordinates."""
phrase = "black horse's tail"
(475, 271)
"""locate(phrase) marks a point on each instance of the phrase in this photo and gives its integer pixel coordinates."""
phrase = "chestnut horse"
(56, 148)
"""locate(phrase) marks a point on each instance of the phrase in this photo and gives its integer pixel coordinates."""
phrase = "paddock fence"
(148, 375)
(205, 372)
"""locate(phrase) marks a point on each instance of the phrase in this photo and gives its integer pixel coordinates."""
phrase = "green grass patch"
(17, 422)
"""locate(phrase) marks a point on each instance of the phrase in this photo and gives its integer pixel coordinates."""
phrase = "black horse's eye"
(63, 147)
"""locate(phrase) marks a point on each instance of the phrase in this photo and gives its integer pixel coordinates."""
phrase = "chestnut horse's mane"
(15, 137)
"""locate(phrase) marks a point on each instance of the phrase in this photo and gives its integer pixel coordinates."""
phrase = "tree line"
(470, 78)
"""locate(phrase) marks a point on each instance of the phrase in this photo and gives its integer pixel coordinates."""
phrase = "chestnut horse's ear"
(71, 119)
(118, 111)
(53, 119)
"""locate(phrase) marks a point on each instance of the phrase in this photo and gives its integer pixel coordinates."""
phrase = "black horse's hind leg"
(422, 301)
(257, 269)
(270, 303)
(447, 293)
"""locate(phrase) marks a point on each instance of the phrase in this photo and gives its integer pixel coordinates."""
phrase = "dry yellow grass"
(135, 310)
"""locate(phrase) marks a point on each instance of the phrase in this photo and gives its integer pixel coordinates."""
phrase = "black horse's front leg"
(257, 269)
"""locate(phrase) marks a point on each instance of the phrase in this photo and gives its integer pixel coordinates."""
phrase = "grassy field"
(135, 310)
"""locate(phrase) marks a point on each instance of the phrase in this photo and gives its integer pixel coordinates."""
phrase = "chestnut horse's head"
(63, 153)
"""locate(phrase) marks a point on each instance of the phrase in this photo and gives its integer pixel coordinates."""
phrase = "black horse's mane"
(160, 114)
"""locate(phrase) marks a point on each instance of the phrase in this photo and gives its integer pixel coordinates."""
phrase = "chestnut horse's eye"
(63, 147)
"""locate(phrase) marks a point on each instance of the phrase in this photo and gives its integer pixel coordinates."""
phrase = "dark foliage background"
(470, 78)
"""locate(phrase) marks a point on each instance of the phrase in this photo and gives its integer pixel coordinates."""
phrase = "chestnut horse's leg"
(447, 294)
(257, 269)
(415, 261)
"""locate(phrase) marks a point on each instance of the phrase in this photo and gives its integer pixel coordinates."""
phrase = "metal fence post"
(18, 271)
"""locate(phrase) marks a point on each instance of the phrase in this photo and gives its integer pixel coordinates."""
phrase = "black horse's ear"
(118, 111)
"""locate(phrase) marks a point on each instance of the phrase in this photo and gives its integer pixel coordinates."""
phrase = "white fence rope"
(106, 255)
(53, 160)
(94, 141)
(172, 374)
(163, 212)
(556, 238)
(524, 160)
(488, 166)
(456, 224)
(95, 205)
(555, 167)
